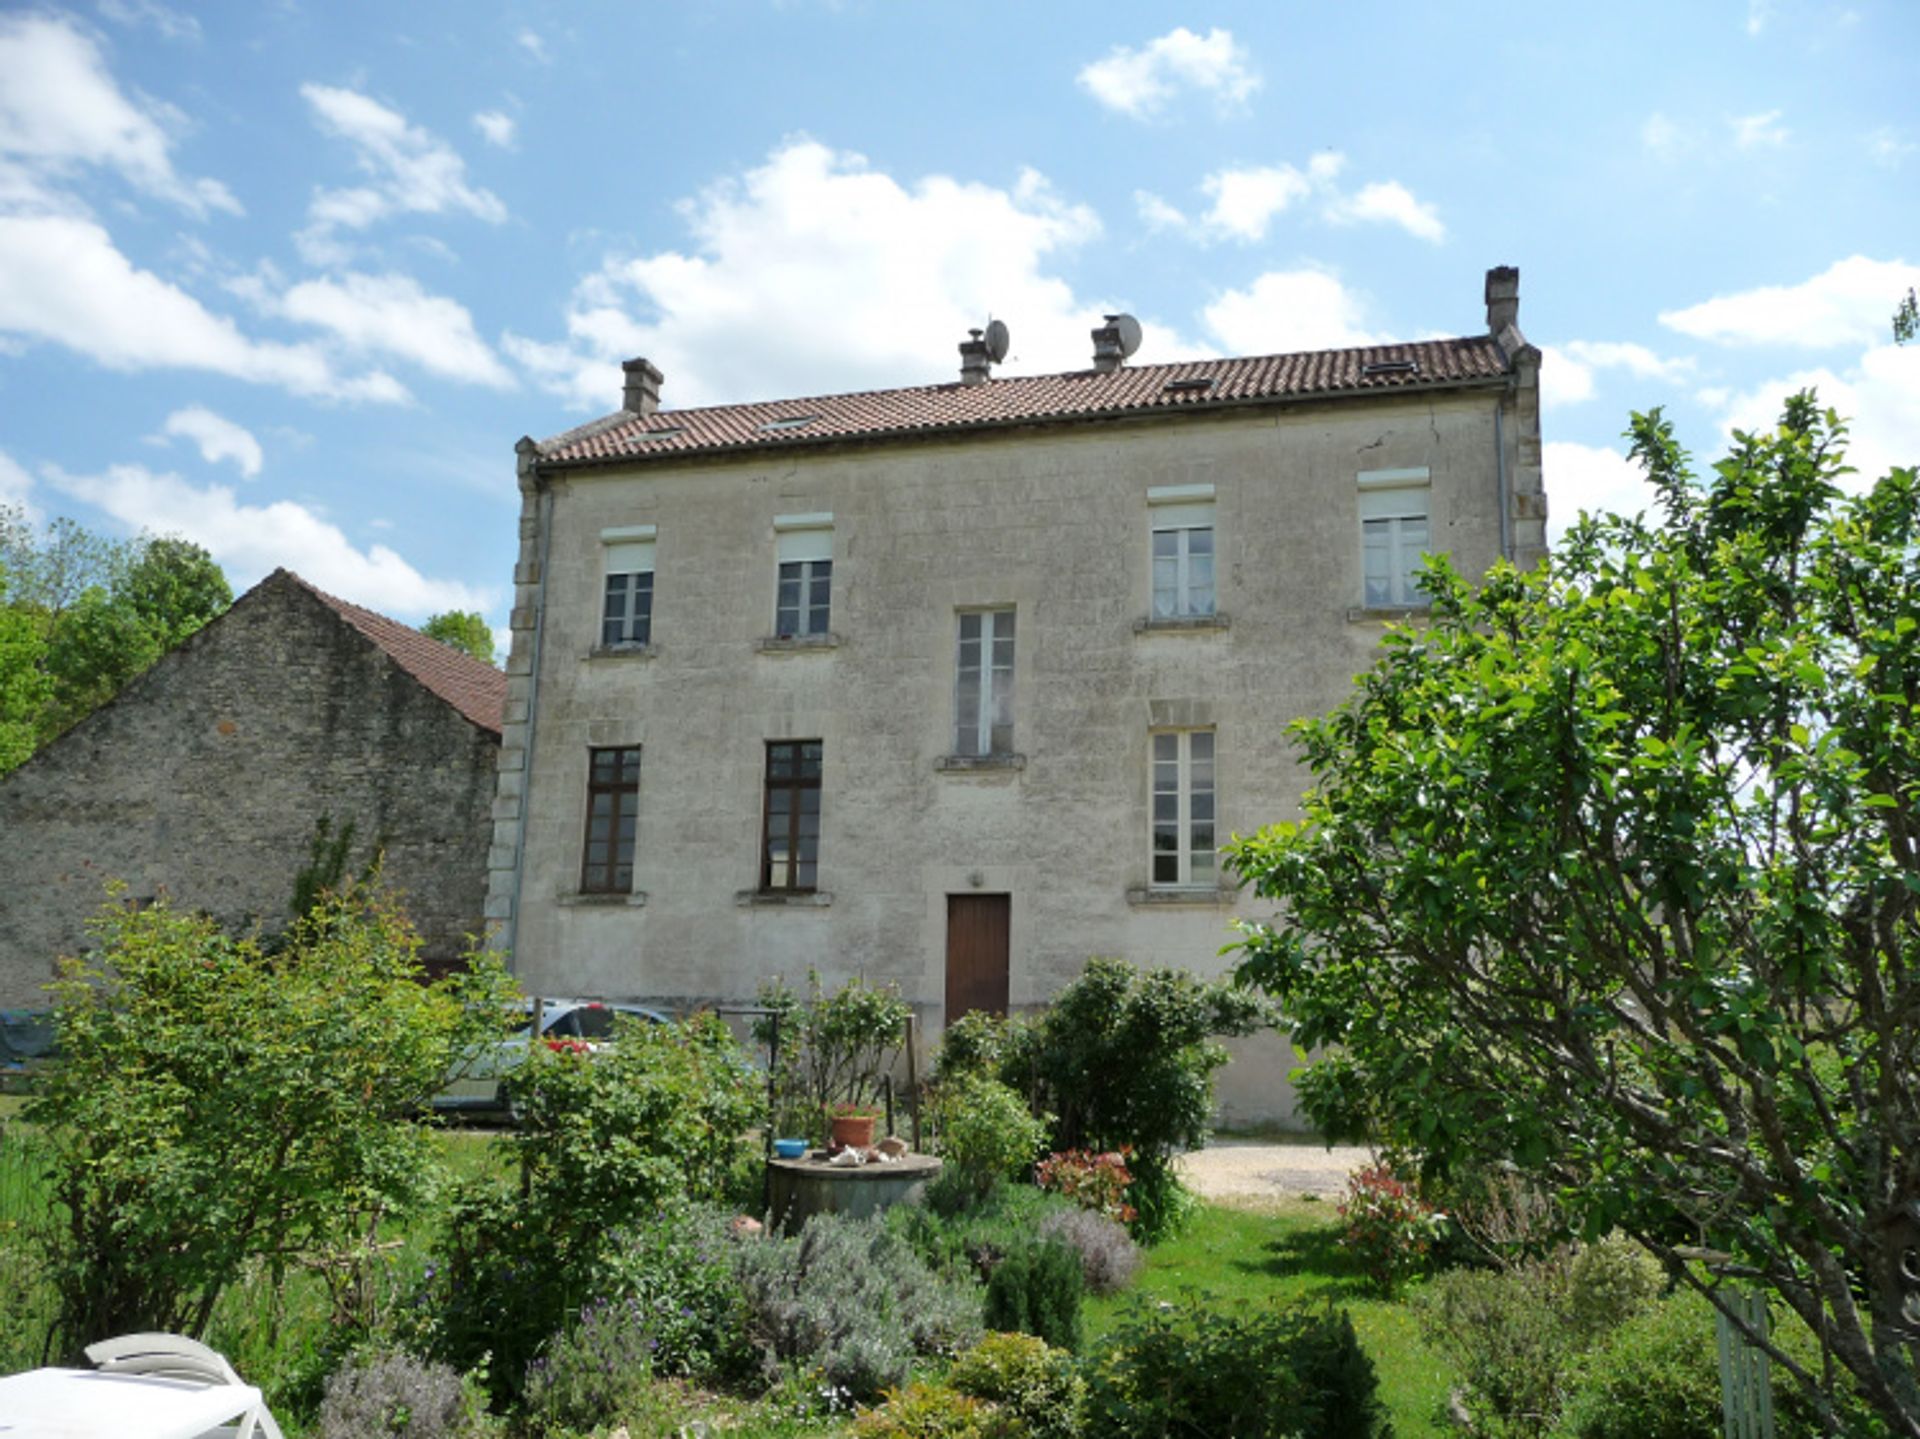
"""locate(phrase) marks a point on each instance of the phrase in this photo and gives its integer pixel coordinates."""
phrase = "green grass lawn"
(1285, 1253)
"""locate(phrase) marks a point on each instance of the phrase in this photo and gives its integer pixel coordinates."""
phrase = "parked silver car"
(478, 1084)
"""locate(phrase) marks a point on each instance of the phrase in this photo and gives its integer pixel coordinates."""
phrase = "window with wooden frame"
(1181, 520)
(983, 687)
(613, 804)
(790, 829)
(1393, 536)
(1183, 818)
(803, 545)
(626, 614)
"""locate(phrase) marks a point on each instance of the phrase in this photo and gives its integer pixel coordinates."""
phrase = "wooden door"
(977, 949)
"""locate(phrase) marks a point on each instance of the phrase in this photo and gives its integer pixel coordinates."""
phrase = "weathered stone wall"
(205, 777)
(1054, 522)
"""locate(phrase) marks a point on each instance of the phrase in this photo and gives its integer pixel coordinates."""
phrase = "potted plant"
(850, 1126)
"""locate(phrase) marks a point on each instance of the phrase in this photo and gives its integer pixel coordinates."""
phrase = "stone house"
(205, 776)
(960, 684)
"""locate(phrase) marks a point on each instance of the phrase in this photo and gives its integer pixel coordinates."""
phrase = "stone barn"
(206, 777)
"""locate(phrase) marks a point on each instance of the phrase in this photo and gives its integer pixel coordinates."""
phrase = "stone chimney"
(1503, 299)
(642, 395)
(975, 363)
(1108, 352)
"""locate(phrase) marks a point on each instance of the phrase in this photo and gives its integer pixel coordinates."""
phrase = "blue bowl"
(789, 1148)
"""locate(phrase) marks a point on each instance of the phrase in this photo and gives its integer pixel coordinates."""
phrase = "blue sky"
(291, 278)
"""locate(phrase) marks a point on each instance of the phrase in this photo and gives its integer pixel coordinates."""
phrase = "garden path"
(1256, 1169)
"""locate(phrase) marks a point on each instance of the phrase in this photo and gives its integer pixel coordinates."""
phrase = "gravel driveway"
(1250, 1169)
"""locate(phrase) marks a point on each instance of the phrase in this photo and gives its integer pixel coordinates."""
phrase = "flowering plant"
(1389, 1228)
(1093, 1181)
(852, 1111)
(569, 1045)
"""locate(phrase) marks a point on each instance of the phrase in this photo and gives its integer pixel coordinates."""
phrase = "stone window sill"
(1141, 894)
(595, 900)
(621, 652)
(783, 898)
(1181, 624)
(979, 763)
(1385, 614)
(797, 644)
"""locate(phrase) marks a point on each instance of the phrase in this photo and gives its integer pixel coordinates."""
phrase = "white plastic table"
(86, 1404)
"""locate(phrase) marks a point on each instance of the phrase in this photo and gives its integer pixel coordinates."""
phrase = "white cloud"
(1157, 213)
(496, 127)
(410, 170)
(391, 315)
(1246, 201)
(815, 273)
(1287, 310)
(1140, 83)
(1566, 371)
(217, 437)
(1593, 478)
(62, 281)
(1391, 203)
(1849, 303)
(60, 109)
(170, 23)
(15, 484)
(251, 540)
(531, 42)
(1879, 396)
(1758, 13)
(1752, 131)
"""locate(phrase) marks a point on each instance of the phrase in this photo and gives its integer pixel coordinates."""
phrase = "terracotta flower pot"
(851, 1131)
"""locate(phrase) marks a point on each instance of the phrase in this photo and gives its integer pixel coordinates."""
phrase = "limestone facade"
(1051, 521)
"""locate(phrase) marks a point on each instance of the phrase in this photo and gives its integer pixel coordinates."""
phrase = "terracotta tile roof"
(478, 691)
(1078, 395)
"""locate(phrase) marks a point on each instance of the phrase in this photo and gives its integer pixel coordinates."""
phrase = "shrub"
(934, 1411)
(600, 1370)
(1658, 1377)
(1196, 1368)
(391, 1393)
(1038, 1385)
(985, 1132)
(1388, 1228)
(216, 1103)
(1507, 1336)
(1097, 1182)
(963, 1241)
(1611, 1280)
(975, 1043)
(852, 1299)
(1124, 1057)
(1037, 1289)
(609, 1146)
(834, 1047)
(1108, 1256)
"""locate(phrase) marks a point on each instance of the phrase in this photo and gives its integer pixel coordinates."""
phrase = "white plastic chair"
(174, 1356)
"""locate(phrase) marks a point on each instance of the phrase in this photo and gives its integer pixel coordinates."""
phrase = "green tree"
(1612, 869)
(1906, 319)
(80, 615)
(465, 630)
(217, 1105)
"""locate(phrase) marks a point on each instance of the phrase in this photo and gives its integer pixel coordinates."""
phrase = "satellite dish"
(1127, 329)
(998, 339)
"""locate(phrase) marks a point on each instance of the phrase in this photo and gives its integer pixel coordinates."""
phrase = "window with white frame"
(1183, 833)
(804, 547)
(626, 611)
(1393, 535)
(1181, 520)
(983, 692)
